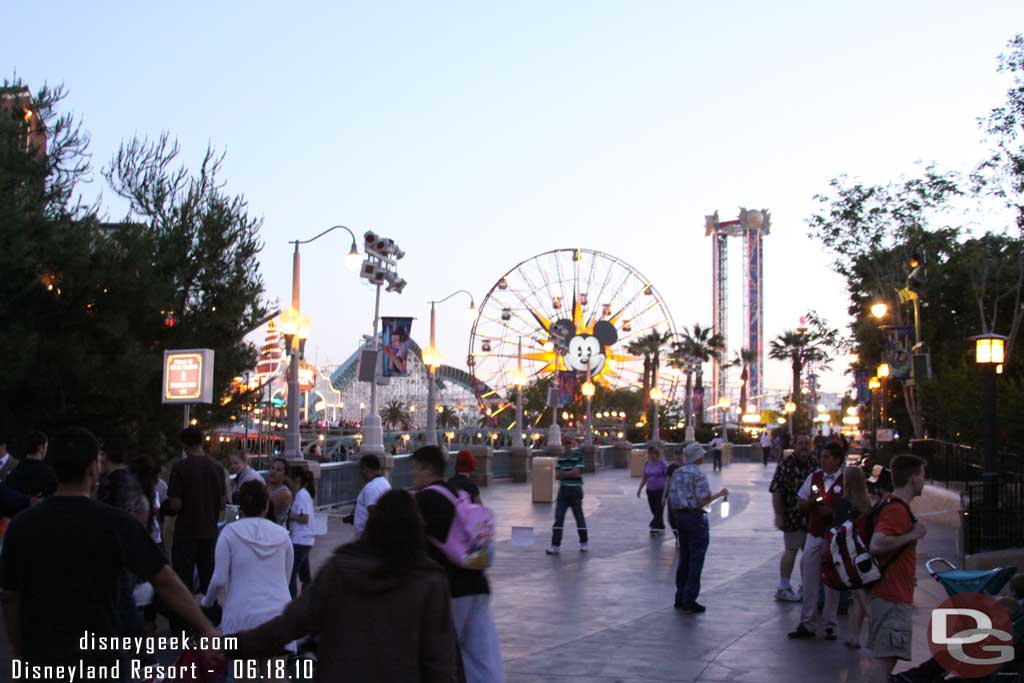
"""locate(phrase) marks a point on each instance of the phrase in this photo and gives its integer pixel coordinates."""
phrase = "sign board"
(884, 435)
(188, 376)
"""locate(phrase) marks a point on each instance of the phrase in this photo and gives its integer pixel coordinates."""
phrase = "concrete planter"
(520, 464)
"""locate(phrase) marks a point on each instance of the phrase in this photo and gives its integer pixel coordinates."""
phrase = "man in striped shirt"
(569, 472)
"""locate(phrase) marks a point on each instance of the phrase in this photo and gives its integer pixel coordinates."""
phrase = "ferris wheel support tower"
(752, 226)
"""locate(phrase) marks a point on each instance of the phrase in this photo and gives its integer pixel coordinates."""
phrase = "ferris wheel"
(574, 311)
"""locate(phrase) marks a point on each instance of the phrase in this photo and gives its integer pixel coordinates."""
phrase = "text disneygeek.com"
(134, 654)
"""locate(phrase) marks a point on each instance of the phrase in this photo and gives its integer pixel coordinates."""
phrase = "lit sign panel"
(188, 376)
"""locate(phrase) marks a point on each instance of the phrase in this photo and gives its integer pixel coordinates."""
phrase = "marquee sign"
(188, 376)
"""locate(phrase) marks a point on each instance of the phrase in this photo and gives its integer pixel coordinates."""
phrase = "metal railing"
(994, 509)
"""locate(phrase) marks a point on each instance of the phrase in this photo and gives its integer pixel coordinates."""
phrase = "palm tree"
(744, 359)
(649, 346)
(789, 346)
(394, 415)
(447, 418)
(700, 345)
(800, 347)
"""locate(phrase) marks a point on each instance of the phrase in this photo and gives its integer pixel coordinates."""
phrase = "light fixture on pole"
(432, 359)
(298, 329)
(879, 310)
(380, 268)
(790, 408)
(989, 355)
(723, 405)
(587, 389)
(656, 397)
(519, 381)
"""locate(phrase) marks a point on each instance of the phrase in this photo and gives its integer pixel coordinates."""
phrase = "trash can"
(637, 456)
(543, 469)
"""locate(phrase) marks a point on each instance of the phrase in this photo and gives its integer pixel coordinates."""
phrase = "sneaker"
(583, 547)
(801, 632)
(786, 595)
(553, 550)
(830, 633)
(695, 607)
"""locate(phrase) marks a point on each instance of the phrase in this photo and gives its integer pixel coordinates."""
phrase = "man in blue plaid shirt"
(688, 494)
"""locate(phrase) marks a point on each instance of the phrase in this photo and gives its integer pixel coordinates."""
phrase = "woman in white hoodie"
(252, 564)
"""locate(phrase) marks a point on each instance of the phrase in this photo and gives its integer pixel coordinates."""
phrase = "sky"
(477, 135)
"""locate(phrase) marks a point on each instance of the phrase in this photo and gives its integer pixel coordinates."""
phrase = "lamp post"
(432, 359)
(519, 380)
(296, 332)
(723, 405)
(656, 396)
(790, 408)
(883, 374)
(989, 355)
(379, 267)
(874, 384)
(554, 433)
(588, 393)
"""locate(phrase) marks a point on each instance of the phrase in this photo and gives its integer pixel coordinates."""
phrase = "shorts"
(794, 540)
(890, 628)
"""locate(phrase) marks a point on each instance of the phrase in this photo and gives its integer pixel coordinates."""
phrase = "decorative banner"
(698, 402)
(188, 376)
(567, 381)
(307, 376)
(395, 342)
(898, 342)
(861, 378)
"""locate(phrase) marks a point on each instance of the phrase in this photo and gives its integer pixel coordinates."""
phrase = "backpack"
(846, 559)
(470, 541)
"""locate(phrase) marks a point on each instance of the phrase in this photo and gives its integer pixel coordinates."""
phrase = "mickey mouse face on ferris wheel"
(586, 352)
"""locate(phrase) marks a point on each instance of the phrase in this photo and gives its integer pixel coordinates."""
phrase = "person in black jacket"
(32, 476)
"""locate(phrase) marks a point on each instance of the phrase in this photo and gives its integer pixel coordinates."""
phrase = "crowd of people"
(392, 604)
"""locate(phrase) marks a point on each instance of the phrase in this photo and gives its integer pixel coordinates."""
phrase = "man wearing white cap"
(689, 493)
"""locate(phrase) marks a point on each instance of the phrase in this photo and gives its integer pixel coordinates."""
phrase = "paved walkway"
(607, 615)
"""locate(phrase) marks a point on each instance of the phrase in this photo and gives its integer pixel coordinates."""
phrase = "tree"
(394, 415)
(1001, 174)
(697, 345)
(88, 307)
(649, 346)
(447, 418)
(815, 343)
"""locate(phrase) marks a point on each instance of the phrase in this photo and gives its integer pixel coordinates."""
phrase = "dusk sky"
(477, 135)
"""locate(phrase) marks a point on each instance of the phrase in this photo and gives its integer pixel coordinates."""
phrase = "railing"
(994, 509)
(339, 484)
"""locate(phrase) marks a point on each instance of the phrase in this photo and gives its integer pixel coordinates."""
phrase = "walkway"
(607, 615)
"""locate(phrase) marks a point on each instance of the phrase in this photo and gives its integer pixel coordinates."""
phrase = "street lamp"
(432, 359)
(989, 355)
(790, 408)
(588, 390)
(519, 381)
(879, 310)
(295, 326)
(656, 396)
(723, 404)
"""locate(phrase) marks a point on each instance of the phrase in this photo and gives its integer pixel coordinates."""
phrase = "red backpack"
(846, 559)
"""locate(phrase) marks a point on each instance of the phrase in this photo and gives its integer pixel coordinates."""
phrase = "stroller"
(956, 581)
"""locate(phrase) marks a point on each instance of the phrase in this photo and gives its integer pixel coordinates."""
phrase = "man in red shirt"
(894, 542)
